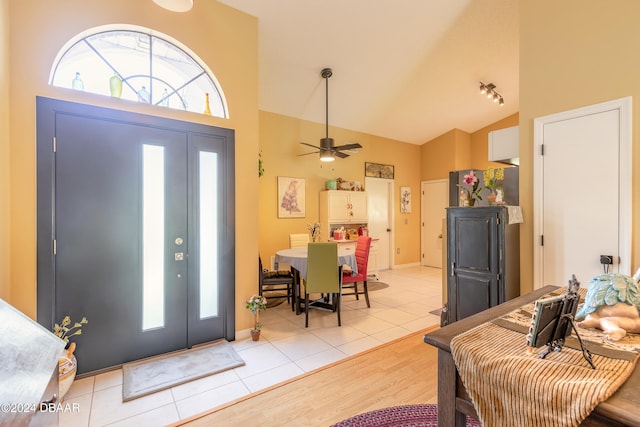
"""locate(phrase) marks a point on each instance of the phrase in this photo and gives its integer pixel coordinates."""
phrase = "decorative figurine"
(611, 304)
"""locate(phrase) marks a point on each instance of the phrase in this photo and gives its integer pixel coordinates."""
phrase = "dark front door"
(138, 220)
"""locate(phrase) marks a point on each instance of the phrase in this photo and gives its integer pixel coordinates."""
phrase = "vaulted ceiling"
(408, 70)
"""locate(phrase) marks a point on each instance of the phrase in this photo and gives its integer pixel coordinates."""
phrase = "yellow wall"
(5, 227)
(448, 152)
(280, 138)
(225, 39)
(458, 149)
(573, 54)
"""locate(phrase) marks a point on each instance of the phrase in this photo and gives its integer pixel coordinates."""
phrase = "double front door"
(134, 231)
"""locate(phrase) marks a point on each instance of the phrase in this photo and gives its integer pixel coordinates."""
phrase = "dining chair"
(363, 247)
(272, 283)
(324, 276)
(298, 240)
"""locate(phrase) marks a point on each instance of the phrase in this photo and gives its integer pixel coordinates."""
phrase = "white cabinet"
(504, 145)
(342, 207)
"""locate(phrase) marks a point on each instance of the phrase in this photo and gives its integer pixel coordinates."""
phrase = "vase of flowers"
(314, 231)
(67, 362)
(492, 178)
(470, 188)
(255, 304)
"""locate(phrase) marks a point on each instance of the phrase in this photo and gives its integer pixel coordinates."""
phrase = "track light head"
(490, 91)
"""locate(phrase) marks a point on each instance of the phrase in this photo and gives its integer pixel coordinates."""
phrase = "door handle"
(388, 230)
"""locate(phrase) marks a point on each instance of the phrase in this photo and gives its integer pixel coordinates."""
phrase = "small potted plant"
(470, 189)
(492, 178)
(67, 363)
(255, 304)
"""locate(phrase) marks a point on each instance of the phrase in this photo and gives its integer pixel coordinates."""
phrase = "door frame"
(623, 106)
(47, 109)
(423, 219)
(390, 185)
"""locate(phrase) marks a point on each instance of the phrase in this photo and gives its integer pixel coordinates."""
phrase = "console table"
(621, 409)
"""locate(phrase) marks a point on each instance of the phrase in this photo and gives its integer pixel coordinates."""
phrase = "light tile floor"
(286, 349)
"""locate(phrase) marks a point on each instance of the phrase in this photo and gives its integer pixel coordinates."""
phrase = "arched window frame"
(156, 83)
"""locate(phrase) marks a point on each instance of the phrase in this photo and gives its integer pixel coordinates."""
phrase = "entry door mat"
(168, 370)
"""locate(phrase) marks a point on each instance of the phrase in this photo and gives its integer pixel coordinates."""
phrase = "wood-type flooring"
(401, 372)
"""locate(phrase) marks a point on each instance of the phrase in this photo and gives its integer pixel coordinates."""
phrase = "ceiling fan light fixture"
(326, 156)
(175, 5)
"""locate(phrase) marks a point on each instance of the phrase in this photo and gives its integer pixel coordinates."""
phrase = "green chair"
(324, 276)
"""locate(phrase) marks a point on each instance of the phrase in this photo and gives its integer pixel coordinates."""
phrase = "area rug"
(374, 285)
(161, 372)
(425, 415)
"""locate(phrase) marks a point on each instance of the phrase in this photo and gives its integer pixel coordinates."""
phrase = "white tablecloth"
(297, 258)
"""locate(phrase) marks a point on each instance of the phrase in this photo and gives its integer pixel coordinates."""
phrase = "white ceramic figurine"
(611, 304)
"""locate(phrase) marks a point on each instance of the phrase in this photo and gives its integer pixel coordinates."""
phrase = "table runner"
(510, 386)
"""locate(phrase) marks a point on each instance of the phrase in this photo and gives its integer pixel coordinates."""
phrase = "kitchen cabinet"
(483, 259)
(342, 208)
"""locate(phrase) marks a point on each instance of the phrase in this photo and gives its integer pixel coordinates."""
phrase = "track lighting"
(490, 91)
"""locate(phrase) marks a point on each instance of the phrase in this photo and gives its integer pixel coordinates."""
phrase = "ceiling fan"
(328, 151)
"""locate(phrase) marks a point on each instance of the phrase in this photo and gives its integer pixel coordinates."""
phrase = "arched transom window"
(138, 65)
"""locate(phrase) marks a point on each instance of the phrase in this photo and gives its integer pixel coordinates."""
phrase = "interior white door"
(435, 199)
(582, 185)
(380, 193)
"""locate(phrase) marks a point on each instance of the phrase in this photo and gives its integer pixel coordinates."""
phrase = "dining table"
(297, 259)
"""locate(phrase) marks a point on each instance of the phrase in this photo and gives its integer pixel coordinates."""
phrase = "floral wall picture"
(405, 199)
(291, 197)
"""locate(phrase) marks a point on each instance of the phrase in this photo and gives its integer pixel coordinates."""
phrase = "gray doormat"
(168, 370)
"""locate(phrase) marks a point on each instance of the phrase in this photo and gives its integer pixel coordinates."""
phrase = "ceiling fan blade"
(306, 154)
(348, 146)
(313, 146)
(340, 154)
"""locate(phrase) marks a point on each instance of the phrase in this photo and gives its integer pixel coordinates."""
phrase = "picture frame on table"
(291, 197)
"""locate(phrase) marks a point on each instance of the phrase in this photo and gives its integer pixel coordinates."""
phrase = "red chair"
(363, 245)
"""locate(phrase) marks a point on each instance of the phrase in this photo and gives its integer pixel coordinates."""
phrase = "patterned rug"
(425, 415)
(161, 372)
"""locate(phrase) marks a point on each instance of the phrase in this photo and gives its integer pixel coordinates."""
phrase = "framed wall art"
(291, 197)
(405, 199)
(378, 170)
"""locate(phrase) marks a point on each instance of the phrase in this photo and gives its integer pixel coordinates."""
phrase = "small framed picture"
(291, 197)
(405, 199)
(378, 170)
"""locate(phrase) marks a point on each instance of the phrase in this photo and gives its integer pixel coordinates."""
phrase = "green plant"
(64, 331)
(472, 187)
(260, 168)
(255, 304)
(492, 178)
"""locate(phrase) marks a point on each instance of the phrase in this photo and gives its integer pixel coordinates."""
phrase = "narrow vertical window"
(153, 237)
(208, 217)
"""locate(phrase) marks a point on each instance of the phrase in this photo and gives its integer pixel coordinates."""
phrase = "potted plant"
(472, 192)
(67, 363)
(492, 178)
(255, 304)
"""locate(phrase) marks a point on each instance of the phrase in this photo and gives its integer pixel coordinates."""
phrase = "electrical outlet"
(606, 259)
(398, 251)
